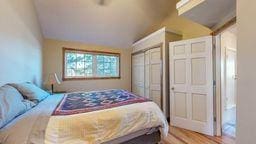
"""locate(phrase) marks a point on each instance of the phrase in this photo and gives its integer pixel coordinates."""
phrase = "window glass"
(80, 64)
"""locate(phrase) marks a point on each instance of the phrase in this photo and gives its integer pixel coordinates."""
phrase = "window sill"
(90, 78)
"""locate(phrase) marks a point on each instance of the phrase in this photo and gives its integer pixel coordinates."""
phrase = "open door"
(191, 84)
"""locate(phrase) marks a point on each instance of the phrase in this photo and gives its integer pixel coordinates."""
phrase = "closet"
(150, 67)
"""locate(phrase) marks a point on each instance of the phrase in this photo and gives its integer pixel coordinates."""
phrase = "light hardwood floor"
(181, 136)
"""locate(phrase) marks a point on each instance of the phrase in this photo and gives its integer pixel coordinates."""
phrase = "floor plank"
(182, 136)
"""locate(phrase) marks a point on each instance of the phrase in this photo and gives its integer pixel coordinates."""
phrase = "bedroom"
(94, 47)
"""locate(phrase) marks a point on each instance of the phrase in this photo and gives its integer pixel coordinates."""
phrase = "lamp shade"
(52, 79)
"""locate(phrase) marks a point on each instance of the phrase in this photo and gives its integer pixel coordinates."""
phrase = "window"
(81, 64)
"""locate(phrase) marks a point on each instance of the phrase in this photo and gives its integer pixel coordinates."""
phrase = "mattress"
(39, 126)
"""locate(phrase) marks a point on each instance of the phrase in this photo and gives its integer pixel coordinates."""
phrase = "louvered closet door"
(153, 71)
(138, 74)
(191, 85)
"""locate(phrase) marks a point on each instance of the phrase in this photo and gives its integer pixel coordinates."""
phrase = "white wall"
(246, 50)
(229, 40)
(20, 42)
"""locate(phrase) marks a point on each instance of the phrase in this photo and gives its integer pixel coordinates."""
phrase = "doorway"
(188, 73)
(228, 80)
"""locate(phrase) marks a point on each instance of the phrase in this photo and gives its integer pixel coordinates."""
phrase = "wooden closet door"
(147, 74)
(138, 74)
(153, 72)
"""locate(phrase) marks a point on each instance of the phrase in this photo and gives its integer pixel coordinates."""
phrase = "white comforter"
(38, 126)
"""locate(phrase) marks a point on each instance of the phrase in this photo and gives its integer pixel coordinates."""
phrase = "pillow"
(29, 104)
(11, 104)
(31, 92)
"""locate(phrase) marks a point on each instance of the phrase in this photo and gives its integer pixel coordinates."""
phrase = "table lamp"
(51, 80)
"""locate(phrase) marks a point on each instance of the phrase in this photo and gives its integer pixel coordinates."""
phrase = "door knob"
(172, 88)
(235, 77)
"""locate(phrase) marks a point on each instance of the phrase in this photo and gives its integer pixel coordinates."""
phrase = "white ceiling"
(210, 13)
(116, 23)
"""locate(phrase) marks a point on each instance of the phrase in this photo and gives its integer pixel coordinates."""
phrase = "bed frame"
(147, 136)
(153, 138)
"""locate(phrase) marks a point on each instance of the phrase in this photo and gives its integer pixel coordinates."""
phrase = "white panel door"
(138, 74)
(191, 84)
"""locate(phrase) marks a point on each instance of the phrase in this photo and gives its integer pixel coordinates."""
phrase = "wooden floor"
(181, 136)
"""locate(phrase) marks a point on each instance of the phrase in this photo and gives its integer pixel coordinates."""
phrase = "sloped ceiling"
(212, 13)
(114, 23)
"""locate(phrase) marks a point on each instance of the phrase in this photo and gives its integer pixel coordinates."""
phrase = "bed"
(108, 117)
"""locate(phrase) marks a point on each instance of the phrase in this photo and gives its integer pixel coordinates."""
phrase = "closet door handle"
(172, 88)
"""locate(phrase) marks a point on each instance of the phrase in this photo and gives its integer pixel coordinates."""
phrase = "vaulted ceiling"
(114, 23)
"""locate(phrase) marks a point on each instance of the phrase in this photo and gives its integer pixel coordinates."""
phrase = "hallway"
(229, 128)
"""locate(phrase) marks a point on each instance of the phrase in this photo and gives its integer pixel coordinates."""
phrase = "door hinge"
(214, 83)
(214, 119)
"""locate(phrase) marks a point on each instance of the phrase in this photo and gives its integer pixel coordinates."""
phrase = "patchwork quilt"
(75, 103)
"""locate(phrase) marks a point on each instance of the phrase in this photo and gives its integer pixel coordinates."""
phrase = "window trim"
(64, 49)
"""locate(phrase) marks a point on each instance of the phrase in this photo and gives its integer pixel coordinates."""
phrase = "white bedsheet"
(38, 126)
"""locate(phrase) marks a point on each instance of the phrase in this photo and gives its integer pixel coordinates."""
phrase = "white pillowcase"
(31, 92)
(11, 104)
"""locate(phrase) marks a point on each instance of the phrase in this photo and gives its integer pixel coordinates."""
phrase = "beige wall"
(188, 28)
(21, 42)
(246, 56)
(52, 63)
